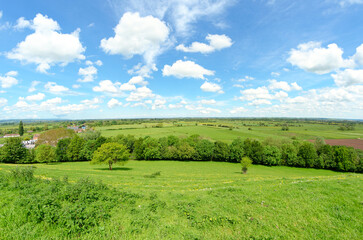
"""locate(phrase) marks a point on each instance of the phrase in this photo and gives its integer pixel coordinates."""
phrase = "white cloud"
(113, 103)
(216, 42)
(275, 74)
(180, 13)
(257, 102)
(209, 110)
(93, 101)
(138, 80)
(33, 85)
(99, 63)
(246, 78)
(36, 97)
(106, 86)
(189, 69)
(1, 14)
(283, 85)
(88, 74)
(3, 101)
(76, 86)
(211, 87)
(344, 3)
(55, 88)
(208, 102)
(311, 57)
(140, 94)
(8, 80)
(348, 77)
(22, 23)
(127, 87)
(258, 93)
(358, 56)
(47, 46)
(135, 35)
(238, 110)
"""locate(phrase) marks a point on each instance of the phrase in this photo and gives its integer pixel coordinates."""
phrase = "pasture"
(206, 200)
(303, 131)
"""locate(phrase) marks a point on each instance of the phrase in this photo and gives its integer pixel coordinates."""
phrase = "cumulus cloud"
(47, 46)
(140, 94)
(348, 77)
(138, 80)
(186, 69)
(216, 42)
(180, 13)
(311, 57)
(209, 110)
(54, 88)
(211, 87)
(283, 85)
(358, 56)
(22, 23)
(257, 102)
(107, 86)
(136, 35)
(88, 74)
(114, 103)
(36, 97)
(9, 80)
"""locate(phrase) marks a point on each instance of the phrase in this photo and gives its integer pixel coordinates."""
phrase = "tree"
(245, 162)
(111, 153)
(221, 151)
(13, 151)
(307, 155)
(236, 150)
(21, 128)
(271, 155)
(74, 148)
(289, 154)
(62, 149)
(204, 150)
(52, 137)
(45, 153)
(253, 150)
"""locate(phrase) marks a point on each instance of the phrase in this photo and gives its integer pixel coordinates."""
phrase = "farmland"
(205, 200)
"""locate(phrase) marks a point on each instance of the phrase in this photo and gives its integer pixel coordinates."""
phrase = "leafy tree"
(74, 149)
(289, 154)
(319, 143)
(236, 150)
(139, 148)
(346, 158)
(90, 135)
(253, 150)
(52, 137)
(128, 141)
(151, 149)
(326, 154)
(13, 151)
(21, 128)
(111, 153)
(307, 155)
(62, 149)
(271, 155)
(204, 150)
(221, 151)
(45, 154)
(185, 151)
(90, 147)
(246, 163)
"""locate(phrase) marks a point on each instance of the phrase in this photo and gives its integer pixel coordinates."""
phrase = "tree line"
(271, 152)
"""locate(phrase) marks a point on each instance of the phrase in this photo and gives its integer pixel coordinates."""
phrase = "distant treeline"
(271, 152)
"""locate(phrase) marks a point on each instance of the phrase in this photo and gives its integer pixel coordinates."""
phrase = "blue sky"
(211, 58)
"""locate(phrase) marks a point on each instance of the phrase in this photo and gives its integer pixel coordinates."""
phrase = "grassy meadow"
(204, 200)
(304, 131)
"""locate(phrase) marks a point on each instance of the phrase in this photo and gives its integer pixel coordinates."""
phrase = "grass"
(304, 132)
(213, 200)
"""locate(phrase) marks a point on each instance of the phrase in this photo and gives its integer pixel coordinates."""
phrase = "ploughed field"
(180, 200)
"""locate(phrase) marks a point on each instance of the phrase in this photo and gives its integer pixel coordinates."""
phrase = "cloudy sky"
(181, 58)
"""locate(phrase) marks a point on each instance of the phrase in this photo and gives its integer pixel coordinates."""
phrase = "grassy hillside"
(205, 200)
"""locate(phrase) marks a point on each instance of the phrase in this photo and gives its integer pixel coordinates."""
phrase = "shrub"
(246, 163)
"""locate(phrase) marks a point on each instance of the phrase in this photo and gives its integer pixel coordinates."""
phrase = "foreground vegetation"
(179, 200)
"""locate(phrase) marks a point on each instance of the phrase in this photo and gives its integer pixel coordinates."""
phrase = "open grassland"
(204, 200)
(303, 132)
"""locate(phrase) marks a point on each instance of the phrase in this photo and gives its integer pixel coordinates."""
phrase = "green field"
(304, 132)
(210, 200)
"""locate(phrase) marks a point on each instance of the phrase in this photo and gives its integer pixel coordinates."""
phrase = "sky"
(181, 58)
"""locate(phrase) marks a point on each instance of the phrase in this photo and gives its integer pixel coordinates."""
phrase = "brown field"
(356, 143)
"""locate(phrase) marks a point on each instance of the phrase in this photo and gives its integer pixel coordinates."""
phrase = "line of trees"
(193, 148)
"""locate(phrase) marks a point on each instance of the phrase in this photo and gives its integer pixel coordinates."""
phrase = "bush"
(45, 154)
(246, 163)
(271, 156)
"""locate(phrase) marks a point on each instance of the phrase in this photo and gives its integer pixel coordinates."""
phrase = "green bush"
(246, 163)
